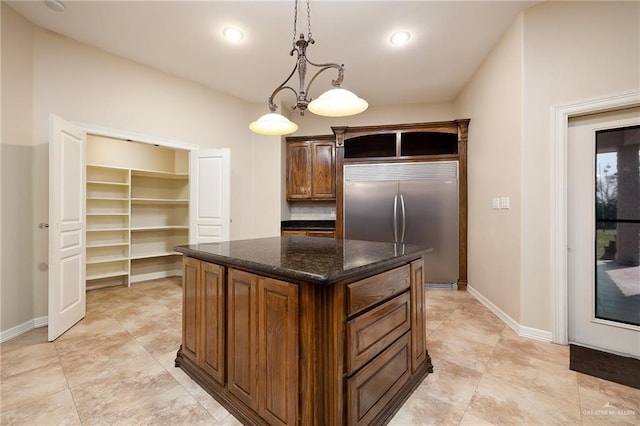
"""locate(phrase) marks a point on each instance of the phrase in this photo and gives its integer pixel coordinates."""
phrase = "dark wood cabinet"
(277, 330)
(294, 353)
(242, 337)
(203, 324)
(262, 355)
(372, 388)
(191, 308)
(311, 168)
(304, 233)
(418, 316)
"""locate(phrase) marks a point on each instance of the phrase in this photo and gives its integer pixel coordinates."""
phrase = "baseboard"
(23, 328)
(523, 331)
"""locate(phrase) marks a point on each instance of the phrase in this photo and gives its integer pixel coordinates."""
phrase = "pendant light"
(336, 102)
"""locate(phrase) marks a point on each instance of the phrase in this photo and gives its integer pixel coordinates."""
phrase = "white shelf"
(106, 229)
(158, 228)
(106, 259)
(159, 201)
(152, 255)
(159, 175)
(107, 275)
(102, 182)
(123, 244)
(121, 202)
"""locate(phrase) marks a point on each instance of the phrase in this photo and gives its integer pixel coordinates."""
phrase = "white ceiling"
(184, 38)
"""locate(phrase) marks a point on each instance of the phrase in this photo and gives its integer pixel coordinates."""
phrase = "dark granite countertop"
(308, 225)
(311, 259)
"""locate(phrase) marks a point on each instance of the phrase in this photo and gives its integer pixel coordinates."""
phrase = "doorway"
(603, 239)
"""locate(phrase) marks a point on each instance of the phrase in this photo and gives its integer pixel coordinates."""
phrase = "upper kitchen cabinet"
(311, 168)
(428, 141)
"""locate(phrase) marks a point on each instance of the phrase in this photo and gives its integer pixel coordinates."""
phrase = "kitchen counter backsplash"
(312, 211)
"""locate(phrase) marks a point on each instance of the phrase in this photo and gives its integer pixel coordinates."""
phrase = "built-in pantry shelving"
(107, 226)
(135, 217)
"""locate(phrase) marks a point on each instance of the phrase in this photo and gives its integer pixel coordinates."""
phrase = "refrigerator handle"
(395, 218)
(404, 218)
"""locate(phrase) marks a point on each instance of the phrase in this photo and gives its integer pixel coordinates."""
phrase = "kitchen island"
(305, 330)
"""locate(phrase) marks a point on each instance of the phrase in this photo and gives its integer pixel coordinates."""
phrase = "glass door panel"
(617, 210)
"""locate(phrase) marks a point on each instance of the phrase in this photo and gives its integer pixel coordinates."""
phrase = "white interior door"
(67, 292)
(603, 288)
(209, 182)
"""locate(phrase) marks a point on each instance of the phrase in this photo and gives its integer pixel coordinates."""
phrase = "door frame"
(559, 182)
(92, 129)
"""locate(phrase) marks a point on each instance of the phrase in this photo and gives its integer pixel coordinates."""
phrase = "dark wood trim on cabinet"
(463, 127)
(339, 189)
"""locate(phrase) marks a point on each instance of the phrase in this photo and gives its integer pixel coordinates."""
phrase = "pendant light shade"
(337, 102)
(273, 124)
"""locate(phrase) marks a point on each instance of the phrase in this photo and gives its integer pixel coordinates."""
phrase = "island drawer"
(373, 290)
(370, 333)
(371, 389)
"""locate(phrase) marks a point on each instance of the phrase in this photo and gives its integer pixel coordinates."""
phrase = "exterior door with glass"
(604, 231)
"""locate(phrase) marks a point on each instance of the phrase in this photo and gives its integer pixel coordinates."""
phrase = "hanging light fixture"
(336, 102)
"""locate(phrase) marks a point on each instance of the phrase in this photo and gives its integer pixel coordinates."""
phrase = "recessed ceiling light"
(232, 34)
(400, 37)
(56, 5)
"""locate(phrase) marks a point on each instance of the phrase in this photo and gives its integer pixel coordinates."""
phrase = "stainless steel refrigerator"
(407, 203)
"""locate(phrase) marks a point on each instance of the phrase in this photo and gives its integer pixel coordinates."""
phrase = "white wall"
(493, 101)
(555, 53)
(573, 51)
(50, 73)
(311, 124)
(18, 225)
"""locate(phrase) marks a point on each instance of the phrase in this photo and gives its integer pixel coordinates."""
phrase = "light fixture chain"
(309, 20)
(295, 23)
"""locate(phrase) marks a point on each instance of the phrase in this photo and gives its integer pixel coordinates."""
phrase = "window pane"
(618, 225)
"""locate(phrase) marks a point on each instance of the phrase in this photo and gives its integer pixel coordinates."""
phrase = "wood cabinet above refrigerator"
(311, 168)
(399, 143)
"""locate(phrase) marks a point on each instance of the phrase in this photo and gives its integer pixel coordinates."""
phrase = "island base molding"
(249, 417)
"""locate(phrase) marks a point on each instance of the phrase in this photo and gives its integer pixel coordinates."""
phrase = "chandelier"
(335, 102)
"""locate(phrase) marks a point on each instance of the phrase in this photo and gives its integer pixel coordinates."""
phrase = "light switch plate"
(504, 202)
(495, 203)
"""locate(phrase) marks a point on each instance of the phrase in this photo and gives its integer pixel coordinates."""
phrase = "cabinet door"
(372, 387)
(190, 308)
(278, 351)
(293, 233)
(418, 327)
(325, 234)
(298, 170)
(211, 357)
(323, 178)
(242, 344)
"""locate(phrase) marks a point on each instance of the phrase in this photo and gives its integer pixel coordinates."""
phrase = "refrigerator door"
(431, 219)
(369, 210)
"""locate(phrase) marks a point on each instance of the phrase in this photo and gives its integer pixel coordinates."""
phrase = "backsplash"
(312, 211)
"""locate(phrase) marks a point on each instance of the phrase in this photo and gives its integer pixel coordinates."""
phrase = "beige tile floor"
(115, 367)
